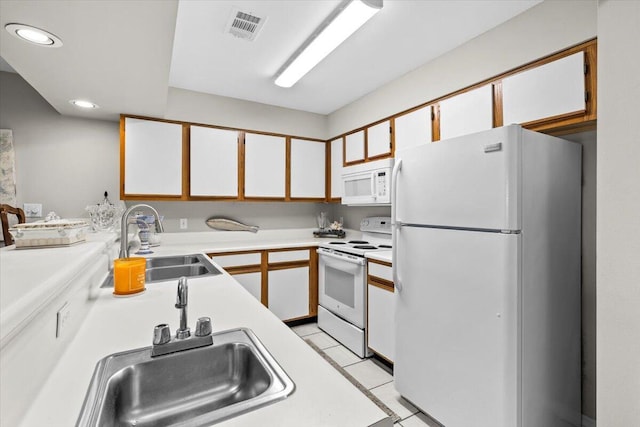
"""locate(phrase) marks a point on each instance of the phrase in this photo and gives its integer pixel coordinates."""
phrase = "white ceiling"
(124, 55)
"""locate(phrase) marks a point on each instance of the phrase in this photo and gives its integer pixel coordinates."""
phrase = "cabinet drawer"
(380, 271)
(237, 260)
(285, 256)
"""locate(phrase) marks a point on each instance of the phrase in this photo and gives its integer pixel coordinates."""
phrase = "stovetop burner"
(365, 247)
(384, 247)
(337, 243)
(358, 242)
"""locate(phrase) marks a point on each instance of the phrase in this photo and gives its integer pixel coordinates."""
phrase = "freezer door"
(471, 181)
(456, 325)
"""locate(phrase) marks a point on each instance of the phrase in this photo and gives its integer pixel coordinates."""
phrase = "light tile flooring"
(372, 375)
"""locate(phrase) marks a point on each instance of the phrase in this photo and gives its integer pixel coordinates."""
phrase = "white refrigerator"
(487, 276)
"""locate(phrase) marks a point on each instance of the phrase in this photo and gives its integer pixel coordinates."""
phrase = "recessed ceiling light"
(33, 35)
(83, 104)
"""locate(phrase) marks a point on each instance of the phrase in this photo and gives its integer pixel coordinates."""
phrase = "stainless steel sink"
(167, 261)
(173, 267)
(176, 271)
(196, 387)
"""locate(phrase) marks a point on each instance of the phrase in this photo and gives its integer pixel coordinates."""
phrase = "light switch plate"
(32, 210)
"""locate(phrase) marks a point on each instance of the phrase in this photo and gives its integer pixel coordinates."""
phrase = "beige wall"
(546, 28)
(199, 107)
(618, 244)
(62, 162)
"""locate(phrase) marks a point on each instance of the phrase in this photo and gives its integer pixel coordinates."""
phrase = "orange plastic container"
(128, 275)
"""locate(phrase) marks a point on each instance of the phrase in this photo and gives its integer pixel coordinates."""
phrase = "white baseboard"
(588, 422)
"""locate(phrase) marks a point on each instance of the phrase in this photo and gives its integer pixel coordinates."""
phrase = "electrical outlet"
(62, 318)
(183, 224)
(32, 210)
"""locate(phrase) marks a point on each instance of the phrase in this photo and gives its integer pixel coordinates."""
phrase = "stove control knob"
(365, 222)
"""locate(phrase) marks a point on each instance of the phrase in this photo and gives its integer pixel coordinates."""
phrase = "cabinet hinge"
(586, 68)
(586, 96)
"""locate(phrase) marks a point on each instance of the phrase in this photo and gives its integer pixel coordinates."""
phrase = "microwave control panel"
(381, 183)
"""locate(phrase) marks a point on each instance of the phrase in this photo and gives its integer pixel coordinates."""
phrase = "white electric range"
(342, 283)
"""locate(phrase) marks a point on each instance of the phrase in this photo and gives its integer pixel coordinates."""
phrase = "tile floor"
(372, 375)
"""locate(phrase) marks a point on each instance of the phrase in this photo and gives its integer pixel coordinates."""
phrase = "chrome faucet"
(181, 304)
(162, 341)
(124, 227)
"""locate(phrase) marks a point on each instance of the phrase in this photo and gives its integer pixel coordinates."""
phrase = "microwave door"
(358, 188)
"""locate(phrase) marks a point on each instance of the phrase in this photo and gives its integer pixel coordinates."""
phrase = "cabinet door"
(152, 157)
(380, 321)
(289, 292)
(354, 147)
(214, 162)
(549, 90)
(307, 168)
(379, 140)
(413, 129)
(252, 282)
(467, 113)
(336, 169)
(264, 165)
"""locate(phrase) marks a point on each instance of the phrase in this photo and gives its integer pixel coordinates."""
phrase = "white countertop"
(322, 396)
(29, 278)
(380, 256)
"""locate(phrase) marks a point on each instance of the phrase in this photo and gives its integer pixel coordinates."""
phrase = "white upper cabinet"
(308, 168)
(413, 128)
(336, 169)
(214, 162)
(379, 139)
(466, 113)
(152, 157)
(264, 165)
(354, 147)
(546, 91)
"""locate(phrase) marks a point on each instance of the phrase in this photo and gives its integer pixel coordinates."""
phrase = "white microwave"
(367, 183)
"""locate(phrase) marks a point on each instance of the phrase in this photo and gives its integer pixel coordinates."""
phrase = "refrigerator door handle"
(395, 224)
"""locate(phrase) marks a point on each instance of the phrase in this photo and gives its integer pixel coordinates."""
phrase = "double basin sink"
(172, 268)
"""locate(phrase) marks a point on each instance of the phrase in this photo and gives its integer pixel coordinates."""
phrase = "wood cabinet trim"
(498, 112)
(377, 261)
(381, 283)
(565, 126)
(186, 162)
(243, 269)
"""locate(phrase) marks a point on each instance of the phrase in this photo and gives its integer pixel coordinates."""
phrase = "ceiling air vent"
(244, 25)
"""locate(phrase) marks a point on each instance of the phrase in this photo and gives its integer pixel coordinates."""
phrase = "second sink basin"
(173, 267)
(196, 387)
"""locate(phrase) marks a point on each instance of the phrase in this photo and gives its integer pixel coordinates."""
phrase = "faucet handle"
(161, 334)
(203, 327)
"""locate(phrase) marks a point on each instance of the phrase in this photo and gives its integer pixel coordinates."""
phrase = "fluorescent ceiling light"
(343, 22)
(33, 35)
(83, 104)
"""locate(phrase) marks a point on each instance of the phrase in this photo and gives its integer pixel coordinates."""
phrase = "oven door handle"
(354, 260)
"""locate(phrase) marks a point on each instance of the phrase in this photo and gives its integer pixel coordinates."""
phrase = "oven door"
(341, 285)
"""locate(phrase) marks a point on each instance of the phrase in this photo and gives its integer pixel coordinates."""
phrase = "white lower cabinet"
(289, 292)
(380, 321)
(252, 282)
(380, 309)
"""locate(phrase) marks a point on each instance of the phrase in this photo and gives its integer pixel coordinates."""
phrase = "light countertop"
(322, 396)
(380, 256)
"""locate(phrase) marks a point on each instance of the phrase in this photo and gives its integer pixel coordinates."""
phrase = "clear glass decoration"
(105, 215)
